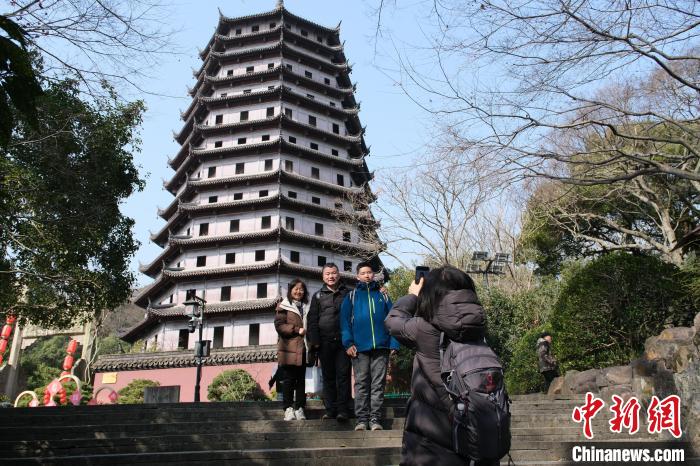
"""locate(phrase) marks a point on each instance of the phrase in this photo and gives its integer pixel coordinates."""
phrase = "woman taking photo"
(290, 323)
(445, 301)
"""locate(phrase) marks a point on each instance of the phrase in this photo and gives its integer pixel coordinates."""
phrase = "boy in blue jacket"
(368, 343)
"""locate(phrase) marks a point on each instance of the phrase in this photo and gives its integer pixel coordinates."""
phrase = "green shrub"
(111, 345)
(133, 392)
(235, 385)
(523, 374)
(611, 305)
(42, 361)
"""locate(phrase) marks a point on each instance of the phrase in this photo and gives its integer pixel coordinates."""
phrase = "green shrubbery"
(235, 385)
(133, 392)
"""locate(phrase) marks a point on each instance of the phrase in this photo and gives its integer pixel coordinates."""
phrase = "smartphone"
(421, 271)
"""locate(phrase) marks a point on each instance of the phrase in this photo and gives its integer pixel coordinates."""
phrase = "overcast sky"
(396, 127)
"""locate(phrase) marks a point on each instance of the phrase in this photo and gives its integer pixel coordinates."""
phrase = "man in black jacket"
(324, 334)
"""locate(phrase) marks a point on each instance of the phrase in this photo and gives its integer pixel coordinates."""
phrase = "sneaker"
(299, 414)
(327, 416)
(375, 425)
(289, 414)
(361, 426)
(342, 417)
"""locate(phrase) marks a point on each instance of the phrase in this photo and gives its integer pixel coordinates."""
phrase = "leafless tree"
(96, 41)
(515, 77)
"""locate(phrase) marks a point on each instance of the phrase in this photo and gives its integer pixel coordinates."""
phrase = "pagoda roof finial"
(280, 4)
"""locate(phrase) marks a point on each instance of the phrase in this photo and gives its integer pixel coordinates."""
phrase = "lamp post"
(486, 264)
(194, 309)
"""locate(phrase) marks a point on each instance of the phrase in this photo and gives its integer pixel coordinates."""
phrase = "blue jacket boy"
(362, 324)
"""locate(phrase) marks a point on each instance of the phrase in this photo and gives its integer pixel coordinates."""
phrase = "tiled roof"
(171, 359)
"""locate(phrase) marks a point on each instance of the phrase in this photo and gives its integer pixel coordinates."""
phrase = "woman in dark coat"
(444, 301)
(290, 323)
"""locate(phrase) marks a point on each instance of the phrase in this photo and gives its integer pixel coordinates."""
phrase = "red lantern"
(6, 332)
(3, 346)
(68, 362)
(72, 347)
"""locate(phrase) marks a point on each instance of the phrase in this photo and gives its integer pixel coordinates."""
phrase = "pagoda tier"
(266, 183)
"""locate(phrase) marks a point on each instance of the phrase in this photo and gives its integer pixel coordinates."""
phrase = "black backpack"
(473, 377)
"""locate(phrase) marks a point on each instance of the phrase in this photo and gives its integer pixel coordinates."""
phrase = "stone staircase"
(253, 433)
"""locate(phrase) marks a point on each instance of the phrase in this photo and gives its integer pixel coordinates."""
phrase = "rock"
(682, 334)
(585, 381)
(568, 382)
(643, 386)
(623, 391)
(685, 356)
(617, 375)
(555, 388)
(696, 323)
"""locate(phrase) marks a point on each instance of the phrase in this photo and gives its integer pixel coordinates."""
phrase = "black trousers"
(548, 377)
(335, 367)
(293, 383)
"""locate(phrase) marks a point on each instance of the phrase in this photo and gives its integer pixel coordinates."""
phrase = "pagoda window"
(273, 25)
(247, 91)
(183, 337)
(266, 222)
(334, 151)
(225, 293)
(234, 226)
(289, 66)
(254, 333)
(262, 290)
(229, 73)
(230, 258)
(308, 74)
(347, 266)
(270, 88)
(239, 32)
(270, 66)
(319, 38)
(336, 128)
(312, 120)
(318, 229)
(249, 69)
(187, 234)
(242, 140)
(223, 94)
(292, 139)
(218, 144)
(332, 104)
(255, 28)
(346, 236)
(203, 229)
(237, 196)
(311, 96)
(340, 179)
(219, 119)
(288, 26)
(240, 168)
(244, 115)
(265, 137)
(292, 194)
(211, 172)
(315, 200)
(338, 205)
(327, 81)
(314, 146)
(213, 199)
(315, 173)
(190, 294)
(321, 261)
(268, 164)
(219, 335)
(294, 256)
(170, 300)
(263, 193)
(270, 112)
(304, 33)
(288, 165)
(289, 223)
(259, 255)
(288, 112)
(201, 261)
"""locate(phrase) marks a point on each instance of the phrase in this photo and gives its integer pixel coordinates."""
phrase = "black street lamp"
(484, 263)
(194, 309)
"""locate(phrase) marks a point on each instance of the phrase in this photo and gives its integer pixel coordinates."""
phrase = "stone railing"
(670, 365)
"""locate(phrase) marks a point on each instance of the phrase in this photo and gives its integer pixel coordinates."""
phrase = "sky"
(397, 129)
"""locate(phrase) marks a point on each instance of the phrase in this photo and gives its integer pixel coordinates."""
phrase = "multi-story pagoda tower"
(272, 151)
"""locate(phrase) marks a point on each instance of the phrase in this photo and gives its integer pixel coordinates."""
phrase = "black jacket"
(323, 322)
(427, 438)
